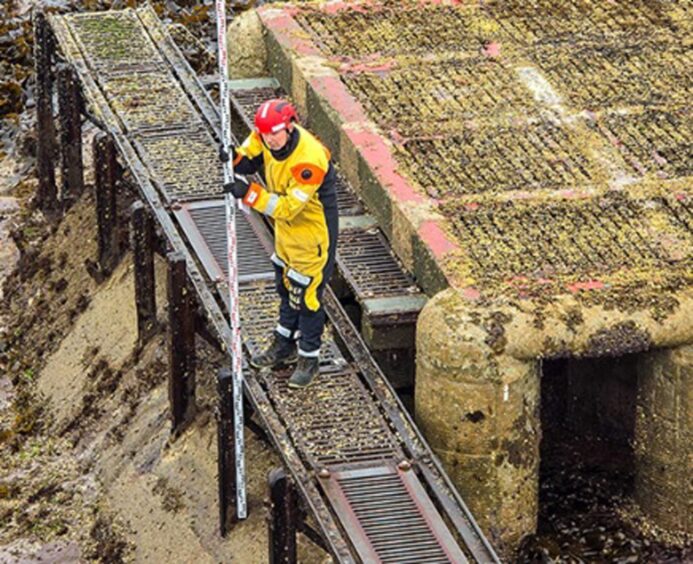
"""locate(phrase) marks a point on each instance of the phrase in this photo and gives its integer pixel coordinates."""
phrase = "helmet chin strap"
(283, 153)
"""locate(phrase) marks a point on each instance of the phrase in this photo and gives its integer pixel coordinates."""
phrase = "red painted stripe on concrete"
(382, 162)
(436, 239)
(588, 285)
(470, 293)
(339, 98)
(286, 30)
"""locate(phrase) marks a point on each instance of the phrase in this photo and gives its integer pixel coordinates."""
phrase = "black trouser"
(295, 318)
(297, 321)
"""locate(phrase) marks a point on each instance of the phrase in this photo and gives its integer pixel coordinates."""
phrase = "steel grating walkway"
(382, 477)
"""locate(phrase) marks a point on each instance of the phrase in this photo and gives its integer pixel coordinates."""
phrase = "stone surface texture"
(664, 437)
(247, 55)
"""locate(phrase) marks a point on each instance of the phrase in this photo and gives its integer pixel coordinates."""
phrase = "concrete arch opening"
(587, 459)
(485, 375)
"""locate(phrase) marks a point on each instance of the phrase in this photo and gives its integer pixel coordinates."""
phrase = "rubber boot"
(305, 372)
(280, 351)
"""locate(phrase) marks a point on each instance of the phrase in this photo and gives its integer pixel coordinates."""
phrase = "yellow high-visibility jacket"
(300, 198)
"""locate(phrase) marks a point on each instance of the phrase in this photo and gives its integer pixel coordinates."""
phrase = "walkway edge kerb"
(417, 232)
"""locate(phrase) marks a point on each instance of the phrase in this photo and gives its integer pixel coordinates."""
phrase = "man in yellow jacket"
(301, 199)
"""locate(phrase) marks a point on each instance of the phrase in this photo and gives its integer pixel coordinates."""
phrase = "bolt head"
(404, 465)
(324, 473)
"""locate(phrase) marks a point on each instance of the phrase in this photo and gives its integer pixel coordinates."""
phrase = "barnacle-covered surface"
(113, 40)
(595, 75)
(571, 20)
(553, 135)
(651, 141)
(186, 164)
(526, 157)
(149, 102)
(457, 93)
(358, 30)
(560, 237)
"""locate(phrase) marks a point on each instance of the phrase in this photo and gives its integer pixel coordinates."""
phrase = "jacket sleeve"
(248, 159)
(305, 180)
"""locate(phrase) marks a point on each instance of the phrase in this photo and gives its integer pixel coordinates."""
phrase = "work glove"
(238, 187)
(224, 156)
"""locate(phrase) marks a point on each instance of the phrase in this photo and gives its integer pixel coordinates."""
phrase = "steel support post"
(70, 105)
(181, 344)
(106, 173)
(226, 452)
(142, 233)
(46, 197)
(283, 517)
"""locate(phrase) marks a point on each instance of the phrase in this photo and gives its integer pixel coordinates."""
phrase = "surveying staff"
(302, 201)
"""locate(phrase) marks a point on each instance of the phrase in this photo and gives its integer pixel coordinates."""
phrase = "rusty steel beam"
(181, 344)
(106, 177)
(312, 535)
(142, 235)
(70, 104)
(47, 196)
(282, 522)
(226, 449)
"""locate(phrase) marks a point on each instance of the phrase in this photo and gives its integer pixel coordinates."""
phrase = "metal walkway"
(384, 496)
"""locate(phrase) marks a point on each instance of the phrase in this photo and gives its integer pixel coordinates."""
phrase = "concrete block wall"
(664, 437)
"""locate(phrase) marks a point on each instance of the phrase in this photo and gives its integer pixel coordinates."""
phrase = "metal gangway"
(363, 471)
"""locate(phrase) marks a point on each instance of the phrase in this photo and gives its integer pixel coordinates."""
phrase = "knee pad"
(298, 285)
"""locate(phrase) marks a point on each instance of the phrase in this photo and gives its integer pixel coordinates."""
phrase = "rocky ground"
(587, 513)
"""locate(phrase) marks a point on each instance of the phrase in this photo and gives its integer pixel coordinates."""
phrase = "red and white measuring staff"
(236, 350)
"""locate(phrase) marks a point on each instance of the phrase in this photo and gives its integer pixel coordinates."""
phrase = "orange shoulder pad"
(306, 173)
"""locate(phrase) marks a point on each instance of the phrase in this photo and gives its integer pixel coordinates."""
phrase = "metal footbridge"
(364, 473)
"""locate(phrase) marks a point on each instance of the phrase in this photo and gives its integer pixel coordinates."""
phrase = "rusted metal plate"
(389, 517)
(204, 224)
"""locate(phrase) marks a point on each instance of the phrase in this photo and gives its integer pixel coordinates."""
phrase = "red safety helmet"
(274, 115)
